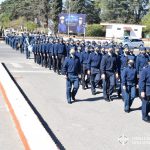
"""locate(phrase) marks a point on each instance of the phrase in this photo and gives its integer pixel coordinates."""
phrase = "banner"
(75, 23)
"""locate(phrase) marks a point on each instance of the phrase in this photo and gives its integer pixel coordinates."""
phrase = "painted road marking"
(30, 71)
(16, 65)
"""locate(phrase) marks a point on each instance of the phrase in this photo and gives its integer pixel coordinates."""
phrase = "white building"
(114, 30)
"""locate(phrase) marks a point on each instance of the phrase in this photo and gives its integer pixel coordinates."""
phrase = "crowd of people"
(105, 65)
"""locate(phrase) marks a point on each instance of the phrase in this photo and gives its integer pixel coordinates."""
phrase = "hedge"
(95, 30)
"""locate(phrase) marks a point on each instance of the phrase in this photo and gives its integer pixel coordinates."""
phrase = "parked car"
(134, 43)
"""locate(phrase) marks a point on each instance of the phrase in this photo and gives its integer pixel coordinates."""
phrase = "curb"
(32, 134)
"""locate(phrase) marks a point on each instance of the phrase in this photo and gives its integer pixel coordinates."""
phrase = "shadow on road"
(90, 99)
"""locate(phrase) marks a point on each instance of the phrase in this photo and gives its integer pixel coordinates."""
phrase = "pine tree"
(56, 10)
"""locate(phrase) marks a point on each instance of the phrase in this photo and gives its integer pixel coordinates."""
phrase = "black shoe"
(146, 119)
(69, 102)
(119, 96)
(107, 100)
(73, 97)
(110, 98)
(83, 88)
(93, 93)
(87, 86)
(127, 111)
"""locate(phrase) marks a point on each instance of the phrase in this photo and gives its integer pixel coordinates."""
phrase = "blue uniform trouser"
(27, 53)
(95, 78)
(145, 108)
(84, 74)
(108, 84)
(122, 91)
(49, 61)
(72, 80)
(118, 86)
(129, 95)
(60, 61)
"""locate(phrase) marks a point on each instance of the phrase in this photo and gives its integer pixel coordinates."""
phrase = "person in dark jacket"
(72, 70)
(129, 82)
(109, 71)
(144, 84)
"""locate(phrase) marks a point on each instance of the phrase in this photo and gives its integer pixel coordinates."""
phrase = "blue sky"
(1, 1)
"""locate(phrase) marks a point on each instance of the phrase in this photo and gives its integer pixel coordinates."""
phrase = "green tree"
(56, 9)
(31, 26)
(87, 7)
(122, 11)
(4, 20)
(146, 21)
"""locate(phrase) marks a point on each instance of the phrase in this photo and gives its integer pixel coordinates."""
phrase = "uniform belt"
(130, 83)
(95, 67)
(70, 73)
(110, 71)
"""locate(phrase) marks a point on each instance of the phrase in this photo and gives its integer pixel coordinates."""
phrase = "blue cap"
(109, 46)
(130, 57)
(142, 48)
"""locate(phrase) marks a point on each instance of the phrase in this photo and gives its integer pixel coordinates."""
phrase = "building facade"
(114, 30)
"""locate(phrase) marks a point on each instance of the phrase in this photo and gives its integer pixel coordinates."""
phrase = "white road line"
(30, 71)
(16, 65)
(34, 67)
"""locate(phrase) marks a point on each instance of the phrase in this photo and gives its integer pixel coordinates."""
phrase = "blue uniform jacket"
(61, 49)
(78, 54)
(129, 76)
(144, 81)
(55, 49)
(94, 60)
(141, 61)
(84, 57)
(109, 64)
(71, 66)
(123, 61)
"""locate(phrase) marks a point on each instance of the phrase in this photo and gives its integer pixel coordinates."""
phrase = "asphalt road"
(88, 124)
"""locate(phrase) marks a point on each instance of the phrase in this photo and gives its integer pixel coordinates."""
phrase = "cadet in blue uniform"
(141, 60)
(129, 81)
(94, 63)
(35, 51)
(148, 52)
(26, 44)
(121, 48)
(60, 53)
(78, 52)
(118, 80)
(84, 61)
(38, 53)
(109, 69)
(123, 64)
(49, 52)
(45, 54)
(54, 55)
(72, 68)
(144, 84)
(132, 55)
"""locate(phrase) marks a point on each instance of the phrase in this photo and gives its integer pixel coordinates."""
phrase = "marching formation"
(108, 66)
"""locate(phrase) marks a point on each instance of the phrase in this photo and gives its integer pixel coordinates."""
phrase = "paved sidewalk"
(9, 138)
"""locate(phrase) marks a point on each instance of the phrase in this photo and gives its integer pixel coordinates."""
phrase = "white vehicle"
(135, 43)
